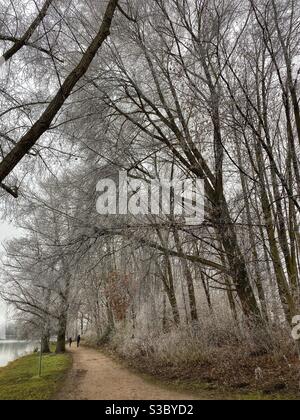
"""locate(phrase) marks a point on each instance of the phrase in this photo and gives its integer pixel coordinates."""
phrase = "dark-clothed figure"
(70, 342)
(78, 341)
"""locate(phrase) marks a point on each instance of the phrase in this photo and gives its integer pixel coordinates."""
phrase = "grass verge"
(19, 380)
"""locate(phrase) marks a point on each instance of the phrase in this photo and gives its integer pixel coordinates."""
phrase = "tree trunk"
(46, 343)
(168, 282)
(237, 264)
(257, 270)
(283, 285)
(189, 280)
(164, 315)
(61, 335)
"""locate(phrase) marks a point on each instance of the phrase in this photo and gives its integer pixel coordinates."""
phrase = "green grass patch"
(19, 380)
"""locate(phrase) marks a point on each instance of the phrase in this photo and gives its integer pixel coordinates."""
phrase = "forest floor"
(98, 375)
(225, 376)
(95, 376)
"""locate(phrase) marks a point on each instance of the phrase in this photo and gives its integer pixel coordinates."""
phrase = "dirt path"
(95, 376)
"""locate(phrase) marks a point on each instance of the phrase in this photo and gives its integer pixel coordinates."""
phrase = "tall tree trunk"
(230, 294)
(61, 334)
(258, 277)
(223, 221)
(283, 286)
(164, 315)
(189, 280)
(172, 297)
(46, 342)
(206, 291)
(46, 328)
(237, 264)
(168, 282)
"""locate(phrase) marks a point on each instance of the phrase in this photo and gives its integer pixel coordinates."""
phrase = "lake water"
(11, 350)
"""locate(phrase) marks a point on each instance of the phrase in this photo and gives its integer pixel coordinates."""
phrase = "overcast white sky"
(7, 231)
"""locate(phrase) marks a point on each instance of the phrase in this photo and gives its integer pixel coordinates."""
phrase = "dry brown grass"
(218, 354)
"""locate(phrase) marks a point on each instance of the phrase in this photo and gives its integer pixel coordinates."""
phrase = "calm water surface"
(11, 350)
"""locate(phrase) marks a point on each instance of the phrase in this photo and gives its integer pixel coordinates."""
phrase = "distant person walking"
(78, 341)
(70, 342)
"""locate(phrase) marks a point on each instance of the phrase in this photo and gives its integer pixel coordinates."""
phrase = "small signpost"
(41, 358)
